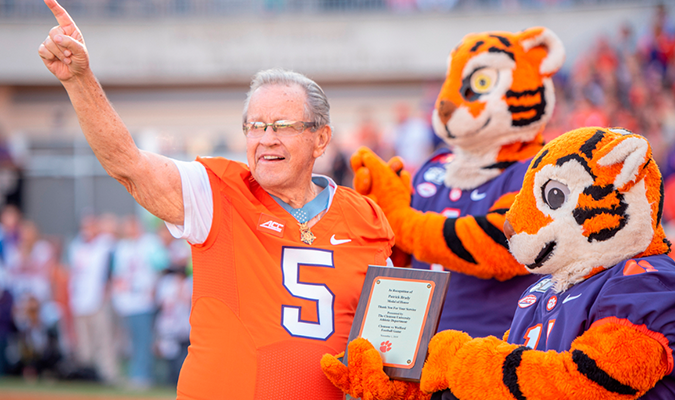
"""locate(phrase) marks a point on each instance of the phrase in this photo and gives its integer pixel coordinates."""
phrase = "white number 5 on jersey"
(291, 260)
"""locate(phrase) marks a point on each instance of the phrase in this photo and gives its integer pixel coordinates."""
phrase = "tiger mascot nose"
(508, 229)
(445, 110)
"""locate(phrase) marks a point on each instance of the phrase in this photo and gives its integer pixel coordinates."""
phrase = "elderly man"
(279, 255)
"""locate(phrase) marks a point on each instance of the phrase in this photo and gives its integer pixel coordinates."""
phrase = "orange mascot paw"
(442, 349)
(364, 377)
(386, 183)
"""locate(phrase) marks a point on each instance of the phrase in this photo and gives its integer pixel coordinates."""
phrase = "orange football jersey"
(267, 306)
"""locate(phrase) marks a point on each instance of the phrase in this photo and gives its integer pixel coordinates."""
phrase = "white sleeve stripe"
(197, 203)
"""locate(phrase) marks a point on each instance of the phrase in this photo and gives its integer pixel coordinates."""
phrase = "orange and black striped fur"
(491, 110)
(591, 199)
(495, 101)
(613, 213)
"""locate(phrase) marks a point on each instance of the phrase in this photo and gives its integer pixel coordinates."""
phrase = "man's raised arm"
(153, 180)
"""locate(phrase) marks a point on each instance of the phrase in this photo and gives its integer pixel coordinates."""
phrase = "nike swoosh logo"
(475, 196)
(570, 298)
(336, 242)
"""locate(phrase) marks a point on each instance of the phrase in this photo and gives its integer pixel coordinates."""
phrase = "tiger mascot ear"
(540, 39)
(627, 156)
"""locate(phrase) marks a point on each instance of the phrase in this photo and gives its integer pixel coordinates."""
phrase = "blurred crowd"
(164, 8)
(113, 304)
(625, 78)
(112, 307)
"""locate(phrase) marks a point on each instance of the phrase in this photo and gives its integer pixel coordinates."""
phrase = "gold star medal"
(305, 234)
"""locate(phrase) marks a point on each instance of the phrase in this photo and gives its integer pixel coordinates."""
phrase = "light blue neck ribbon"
(314, 207)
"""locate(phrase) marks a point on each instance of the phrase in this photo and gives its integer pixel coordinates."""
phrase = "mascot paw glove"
(442, 349)
(388, 184)
(364, 377)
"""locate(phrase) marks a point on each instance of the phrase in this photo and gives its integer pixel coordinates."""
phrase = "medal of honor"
(305, 234)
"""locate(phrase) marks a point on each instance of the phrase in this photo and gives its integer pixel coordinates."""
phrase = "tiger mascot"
(599, 325)
(491, 111)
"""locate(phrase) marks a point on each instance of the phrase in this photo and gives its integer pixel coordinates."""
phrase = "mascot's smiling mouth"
(543, 256)
(451, 136)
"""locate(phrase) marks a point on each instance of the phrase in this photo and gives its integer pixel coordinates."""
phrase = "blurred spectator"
(413, 139)
(334, 163)
(59, 279)
(89, 258)
(11, 174)
(341, 170)
(32, 265)
(436, 5)
(173, 297)
(658, 46)
(7, 328)
(108, 225)
(620, 83)
(368, 133)
(138, 259)
(402, 6)
(36, 315)
(38, 339)
(10, 220)
(587, 113)
(178, 250)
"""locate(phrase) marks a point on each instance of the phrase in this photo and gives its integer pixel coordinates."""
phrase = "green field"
(18, 389)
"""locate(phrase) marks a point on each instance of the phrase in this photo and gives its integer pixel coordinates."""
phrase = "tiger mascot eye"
(600, 323)
(491, 111)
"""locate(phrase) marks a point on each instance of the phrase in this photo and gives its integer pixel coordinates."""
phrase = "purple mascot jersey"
(493, 302)
(640, 290)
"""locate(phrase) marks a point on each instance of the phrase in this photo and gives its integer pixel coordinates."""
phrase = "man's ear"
(323, 137)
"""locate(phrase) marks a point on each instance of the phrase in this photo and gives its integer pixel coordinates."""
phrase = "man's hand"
(64, 52)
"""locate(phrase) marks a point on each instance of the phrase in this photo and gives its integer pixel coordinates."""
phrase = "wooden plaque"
(398, 313)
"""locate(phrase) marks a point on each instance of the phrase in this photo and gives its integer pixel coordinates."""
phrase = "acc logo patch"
(426, 189)
(435, 175)
(527, 301)
(272, 225)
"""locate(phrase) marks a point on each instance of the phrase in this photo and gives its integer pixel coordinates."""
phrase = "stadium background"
(177, 72)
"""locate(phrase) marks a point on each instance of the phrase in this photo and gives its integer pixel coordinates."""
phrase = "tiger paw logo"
(385, 346)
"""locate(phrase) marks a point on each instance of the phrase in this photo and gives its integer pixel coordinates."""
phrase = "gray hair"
(317, 108)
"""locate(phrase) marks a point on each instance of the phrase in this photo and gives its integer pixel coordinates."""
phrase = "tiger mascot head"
(495, 101)
(591, 198)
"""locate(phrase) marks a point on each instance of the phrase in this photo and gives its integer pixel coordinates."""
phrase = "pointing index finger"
(60, 13)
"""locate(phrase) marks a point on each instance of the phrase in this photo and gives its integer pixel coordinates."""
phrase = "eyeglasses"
(281, 128)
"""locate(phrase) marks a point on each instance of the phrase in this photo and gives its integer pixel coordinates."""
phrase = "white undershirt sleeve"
(197, 203)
